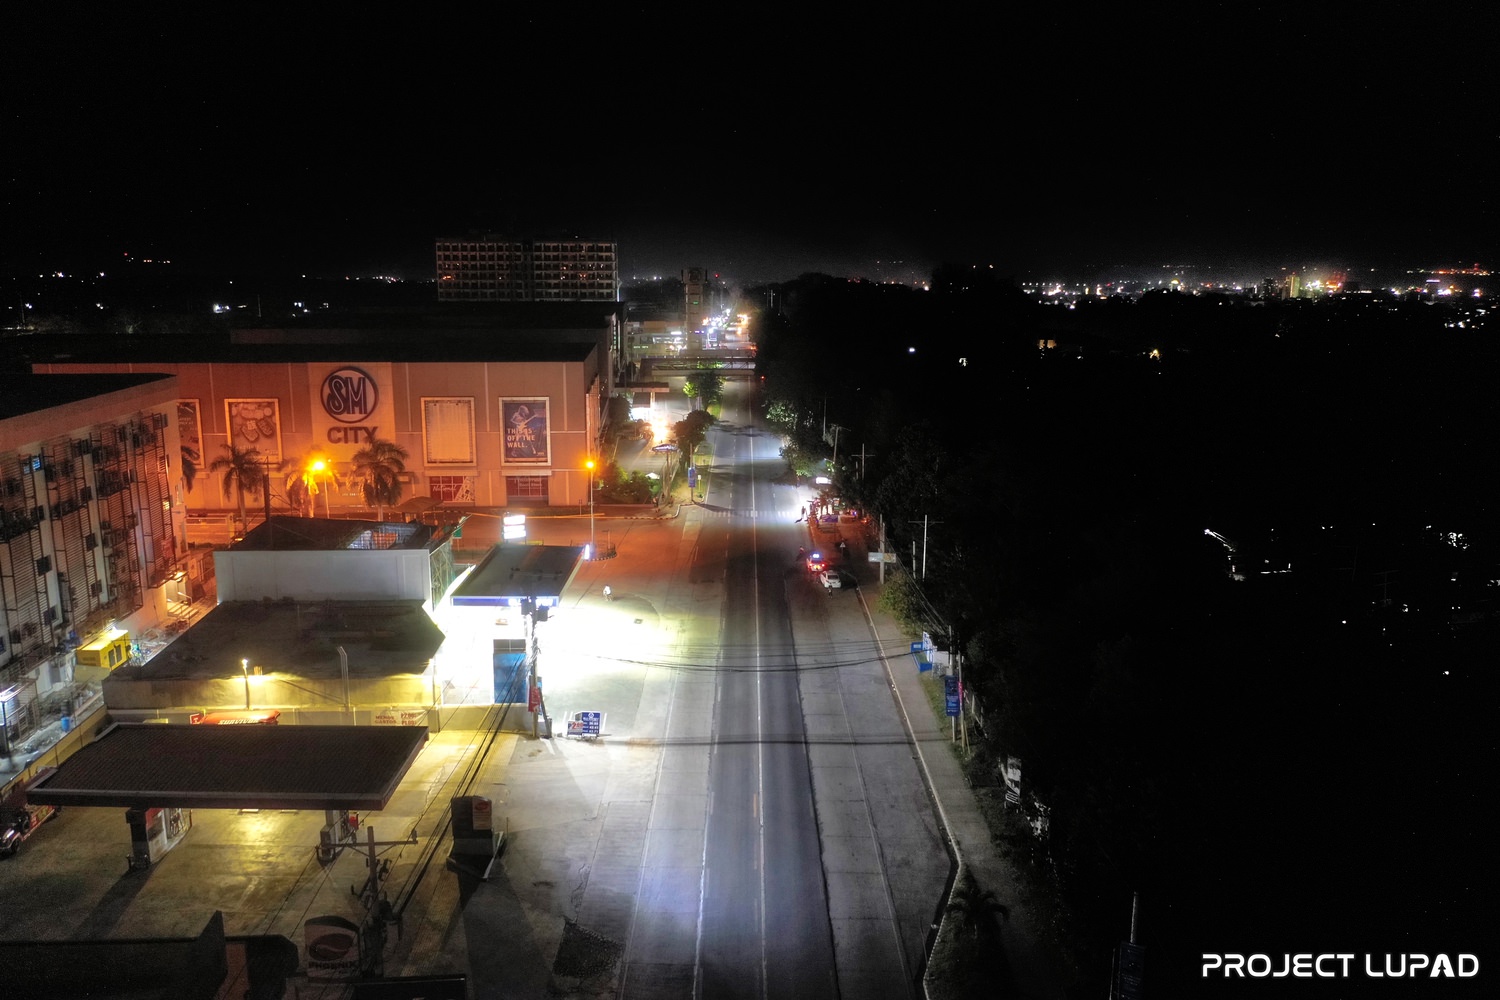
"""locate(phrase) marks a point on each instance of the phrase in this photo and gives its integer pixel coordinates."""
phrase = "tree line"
(1054, 475)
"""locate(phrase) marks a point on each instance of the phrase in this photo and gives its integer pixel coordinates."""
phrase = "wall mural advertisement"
(448, 429)
(190, 432)
(255, 423)
(527, 435)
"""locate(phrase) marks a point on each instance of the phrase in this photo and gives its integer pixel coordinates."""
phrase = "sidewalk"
(1032, 973)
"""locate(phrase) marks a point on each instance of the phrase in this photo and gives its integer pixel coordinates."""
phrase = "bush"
(614, 486)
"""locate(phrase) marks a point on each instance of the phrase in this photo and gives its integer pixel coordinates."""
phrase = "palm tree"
(976, 906)
(244, 471)
(189, 471)
(380, 465)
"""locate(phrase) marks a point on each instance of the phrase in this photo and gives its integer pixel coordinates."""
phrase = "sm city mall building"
(497, 421)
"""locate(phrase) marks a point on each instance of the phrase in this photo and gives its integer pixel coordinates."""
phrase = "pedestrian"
(608, 594)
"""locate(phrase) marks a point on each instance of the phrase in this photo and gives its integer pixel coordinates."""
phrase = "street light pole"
(318, 466)
(245, 669)
(589, 465)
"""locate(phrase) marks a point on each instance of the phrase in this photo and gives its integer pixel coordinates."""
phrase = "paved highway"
(765, 929)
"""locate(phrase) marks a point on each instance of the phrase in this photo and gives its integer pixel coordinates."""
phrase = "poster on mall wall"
(527, 440)
(255, 423)
(190, 433)
(448, 430)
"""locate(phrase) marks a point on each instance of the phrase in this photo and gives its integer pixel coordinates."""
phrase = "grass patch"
(967, 960)
(965, 965)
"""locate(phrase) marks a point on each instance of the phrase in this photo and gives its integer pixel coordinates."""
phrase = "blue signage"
(950, 691)
(586, 724)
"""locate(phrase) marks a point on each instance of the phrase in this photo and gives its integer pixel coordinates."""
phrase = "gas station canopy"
(510, 574)
(145, 765)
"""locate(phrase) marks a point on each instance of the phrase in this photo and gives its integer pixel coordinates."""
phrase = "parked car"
(832, 580)
(19, 819)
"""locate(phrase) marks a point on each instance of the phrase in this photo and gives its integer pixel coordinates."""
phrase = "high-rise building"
(495, 269)
(695, 298)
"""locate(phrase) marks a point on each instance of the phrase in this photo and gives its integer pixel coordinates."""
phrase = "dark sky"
(760, 147)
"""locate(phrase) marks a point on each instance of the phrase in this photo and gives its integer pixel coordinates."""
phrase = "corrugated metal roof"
(236, 767)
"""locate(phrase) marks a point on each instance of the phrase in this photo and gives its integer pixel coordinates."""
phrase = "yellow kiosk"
(111, 649)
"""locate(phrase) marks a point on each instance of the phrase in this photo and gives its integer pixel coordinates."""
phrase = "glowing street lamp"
(245, 669)
(317, 466)
(589, 465)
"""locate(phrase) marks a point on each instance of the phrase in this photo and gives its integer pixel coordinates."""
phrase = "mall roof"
(235, 767)
(413, 346)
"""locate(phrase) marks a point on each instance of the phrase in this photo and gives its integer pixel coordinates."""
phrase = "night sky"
(759, 147)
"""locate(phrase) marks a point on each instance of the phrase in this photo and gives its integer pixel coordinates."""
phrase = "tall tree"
(380, 465)
(705, 386)
(691, 430)
(244, 472)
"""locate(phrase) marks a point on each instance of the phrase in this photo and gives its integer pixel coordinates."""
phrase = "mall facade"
(487, 418)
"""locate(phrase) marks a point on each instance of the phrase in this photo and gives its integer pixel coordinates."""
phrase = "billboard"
(448, 430)
(255, 423)
(190, 434)
(527, 432)
(331, 947)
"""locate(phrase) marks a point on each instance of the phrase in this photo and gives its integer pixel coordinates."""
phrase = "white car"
(831, 580)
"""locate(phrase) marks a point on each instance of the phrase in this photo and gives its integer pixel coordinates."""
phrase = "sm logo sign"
(349, 395)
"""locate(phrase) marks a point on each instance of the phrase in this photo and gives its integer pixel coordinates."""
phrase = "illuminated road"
(765, 930)
(764, 877)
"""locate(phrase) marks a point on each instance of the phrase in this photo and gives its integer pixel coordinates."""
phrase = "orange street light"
(316, 466)
(588, 464)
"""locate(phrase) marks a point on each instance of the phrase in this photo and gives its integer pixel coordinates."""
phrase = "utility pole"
(266, 490)
(534, 696)
(531, 614)
(925, 522)
(958, 657)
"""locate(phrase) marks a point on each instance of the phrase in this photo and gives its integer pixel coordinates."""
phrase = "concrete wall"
(362, 575)
(511, 718)
(280, 691)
